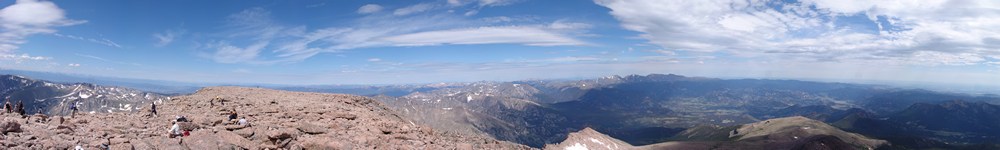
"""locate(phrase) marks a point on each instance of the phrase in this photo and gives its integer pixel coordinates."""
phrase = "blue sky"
(385, 42)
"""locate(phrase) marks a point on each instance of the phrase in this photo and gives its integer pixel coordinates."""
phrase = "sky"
(310, 42)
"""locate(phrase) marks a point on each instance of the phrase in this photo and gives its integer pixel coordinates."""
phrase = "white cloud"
(167, 37)
(369, 8)
(471, 13)
(532, 36)
(227, 53)
(374, 60)
(413, 9)
(665, 52)
(22, 57)
(941, 58)
(29, 17)
(481, 3)
(73, 65)
(898, 30)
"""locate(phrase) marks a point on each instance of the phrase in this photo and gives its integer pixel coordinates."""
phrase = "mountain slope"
(506, 111)
(55, 98)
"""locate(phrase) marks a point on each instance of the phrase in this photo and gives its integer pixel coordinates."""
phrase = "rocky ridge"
(278, 120)
(780, 133)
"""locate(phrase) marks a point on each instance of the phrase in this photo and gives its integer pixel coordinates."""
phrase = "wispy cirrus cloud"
(107, 60)
(254, 32)
(102, 41)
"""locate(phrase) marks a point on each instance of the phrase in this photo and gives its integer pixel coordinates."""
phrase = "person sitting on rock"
(181, 119)
(175, 130)
(232, 115)
(243, 121)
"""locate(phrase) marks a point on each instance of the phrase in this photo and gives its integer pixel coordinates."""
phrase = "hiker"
(211, 102)
(243, 121)
(175, 130)
(20, 107)
(72, 108)
(152, 108)
(7, 107)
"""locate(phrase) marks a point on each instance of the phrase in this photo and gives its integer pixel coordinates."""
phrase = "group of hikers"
(177, 131)
(18, 108)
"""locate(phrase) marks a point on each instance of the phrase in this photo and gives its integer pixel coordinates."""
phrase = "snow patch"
(602, 143)
(446, 108)
(597, 141)
(468, 98)
(577, 146)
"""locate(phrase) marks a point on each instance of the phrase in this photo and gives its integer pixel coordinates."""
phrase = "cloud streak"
(101, 41)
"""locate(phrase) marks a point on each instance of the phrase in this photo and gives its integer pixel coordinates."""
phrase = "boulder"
(188, 126)
(236, 139)
(324, 143)
(9, 126)
(202, 140)
(245, 132)
(310, 128)
(343, 115)
(282, 133)
(124, 146)
(234, 127)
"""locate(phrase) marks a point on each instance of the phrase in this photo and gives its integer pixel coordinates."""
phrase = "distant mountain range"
(55, 98)
(537, 112)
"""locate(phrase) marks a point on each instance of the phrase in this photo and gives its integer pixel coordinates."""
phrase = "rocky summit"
(277, 120)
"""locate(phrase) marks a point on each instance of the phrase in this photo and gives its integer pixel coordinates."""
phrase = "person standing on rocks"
(7, 108)
(72, 108)
(152, 108)
(20, 107)
(211, 102)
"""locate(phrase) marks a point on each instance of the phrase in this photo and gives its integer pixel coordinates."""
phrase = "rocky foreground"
(278, 120)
